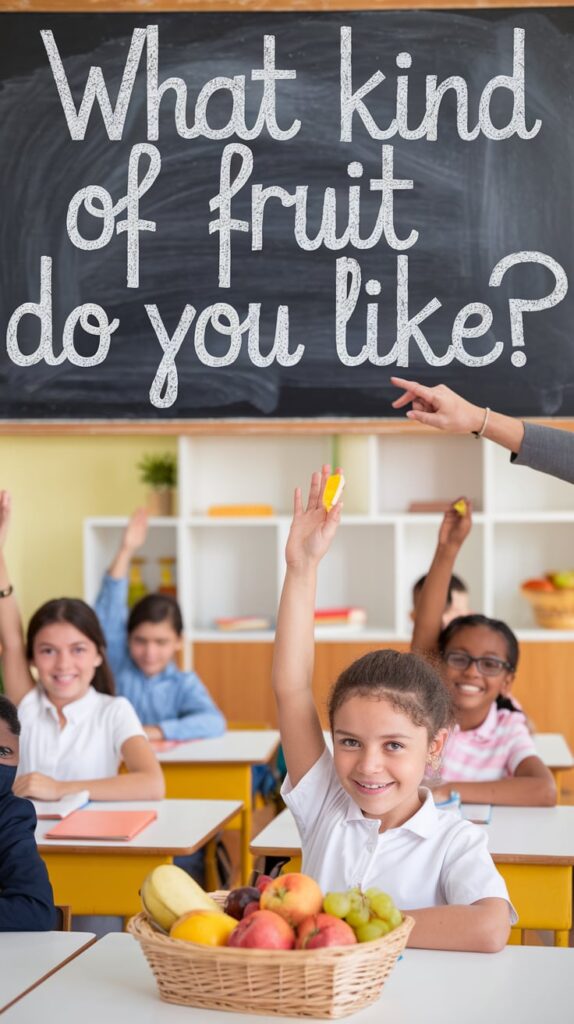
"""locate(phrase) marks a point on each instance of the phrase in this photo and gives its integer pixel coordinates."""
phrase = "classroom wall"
(56, 482)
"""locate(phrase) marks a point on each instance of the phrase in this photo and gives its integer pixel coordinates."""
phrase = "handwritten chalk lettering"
(353, 101)
(114, 118)
(101, 328)
(348, 283)
(232, 182)
(98, 203)
(520, 306)
(224, 320)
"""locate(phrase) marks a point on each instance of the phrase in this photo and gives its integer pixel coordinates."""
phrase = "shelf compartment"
(102, 538)
(359, 571)
(518, 489)
(423, 468)
(521, 551)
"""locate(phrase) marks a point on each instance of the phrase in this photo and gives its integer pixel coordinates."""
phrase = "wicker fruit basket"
(328, 982)
(552, 609)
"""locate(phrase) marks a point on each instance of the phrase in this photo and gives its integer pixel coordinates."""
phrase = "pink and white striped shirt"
(492, 751)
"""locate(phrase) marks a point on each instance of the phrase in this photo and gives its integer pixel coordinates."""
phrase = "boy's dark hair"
(455, 585)
(497, 626)
(407, 681)
(79, 614)
(156, 608)
(9, 714)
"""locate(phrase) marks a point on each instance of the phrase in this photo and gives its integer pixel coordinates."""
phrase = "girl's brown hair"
(79, 614)
(407, 681)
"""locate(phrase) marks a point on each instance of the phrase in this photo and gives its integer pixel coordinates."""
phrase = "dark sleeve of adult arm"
(548, 450)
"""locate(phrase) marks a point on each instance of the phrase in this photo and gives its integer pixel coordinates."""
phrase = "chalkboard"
(312, 203)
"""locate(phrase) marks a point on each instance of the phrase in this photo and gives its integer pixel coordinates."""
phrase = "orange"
(207, 927)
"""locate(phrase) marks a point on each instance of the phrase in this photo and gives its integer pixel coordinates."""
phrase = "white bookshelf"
(523, 526)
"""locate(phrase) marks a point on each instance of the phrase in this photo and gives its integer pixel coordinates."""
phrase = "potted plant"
(159, 472)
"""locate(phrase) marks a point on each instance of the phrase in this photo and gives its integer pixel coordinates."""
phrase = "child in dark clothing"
(26, 901)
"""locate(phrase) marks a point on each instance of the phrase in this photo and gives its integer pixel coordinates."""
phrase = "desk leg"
(100, 883)
(215, 782)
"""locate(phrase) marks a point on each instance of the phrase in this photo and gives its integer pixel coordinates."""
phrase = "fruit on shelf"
(168, 892)
(238, 899)
(562, 580)
(207, 927)
(538, 583)
(262, 930)
(293, 896)
(324, 930)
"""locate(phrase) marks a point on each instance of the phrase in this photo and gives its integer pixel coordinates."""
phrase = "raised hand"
(313, 528)
(135, 532)
(5, 512)
(455, 527)
(438, 407)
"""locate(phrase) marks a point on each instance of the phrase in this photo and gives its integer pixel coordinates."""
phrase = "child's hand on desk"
(5, 509)
(153, 732)
(455, 527)
(312, 528)
(36, 786)
(440, 791)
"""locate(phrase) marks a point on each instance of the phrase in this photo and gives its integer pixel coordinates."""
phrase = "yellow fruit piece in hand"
(333, 490)
(460, 507)
(206, 927)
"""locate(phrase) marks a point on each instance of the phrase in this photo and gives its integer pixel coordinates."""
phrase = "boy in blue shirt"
(26, 901)
(171, 704)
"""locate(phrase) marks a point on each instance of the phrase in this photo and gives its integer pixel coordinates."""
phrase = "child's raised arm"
(16, 671)
(111, 604)
(433, 597)
(133, 537)
(310, 536)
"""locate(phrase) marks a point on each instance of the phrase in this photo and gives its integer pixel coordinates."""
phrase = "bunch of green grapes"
(370, 914)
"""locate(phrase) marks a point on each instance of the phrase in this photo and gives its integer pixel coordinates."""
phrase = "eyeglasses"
(487, 666)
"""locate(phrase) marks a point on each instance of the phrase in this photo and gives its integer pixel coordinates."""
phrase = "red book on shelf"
(102, 825)
(351, 616)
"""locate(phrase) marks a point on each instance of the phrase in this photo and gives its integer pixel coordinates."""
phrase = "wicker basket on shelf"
(327, 982)
(552, 609)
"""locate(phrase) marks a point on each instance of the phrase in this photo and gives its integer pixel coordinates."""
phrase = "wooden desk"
(533, 848)
(221, 768)
(99, 877)
(111, 981)
(553, 749)
(27, 958)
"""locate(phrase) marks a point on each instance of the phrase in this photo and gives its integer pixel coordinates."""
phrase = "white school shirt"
(434, 858)
(89, 745)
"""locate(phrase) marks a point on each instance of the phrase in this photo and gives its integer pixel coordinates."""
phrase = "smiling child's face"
(473, 693)
(9, 745)
(153, 645)
(380, 756)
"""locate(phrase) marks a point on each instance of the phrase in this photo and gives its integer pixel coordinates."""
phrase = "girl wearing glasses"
(489, 756)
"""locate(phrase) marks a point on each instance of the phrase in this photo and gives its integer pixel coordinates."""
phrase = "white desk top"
(27, 957)
(238, 746)
(181, 827)
(515, 834)
(553, 749)
(112, 981)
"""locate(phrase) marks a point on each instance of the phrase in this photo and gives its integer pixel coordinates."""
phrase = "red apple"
(262, 882)
(293, 896)
(262, 930)
(324, 930)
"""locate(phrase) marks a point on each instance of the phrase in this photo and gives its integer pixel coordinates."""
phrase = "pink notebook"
(102, 825)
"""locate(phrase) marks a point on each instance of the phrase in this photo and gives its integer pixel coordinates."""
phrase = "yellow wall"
(56, 482)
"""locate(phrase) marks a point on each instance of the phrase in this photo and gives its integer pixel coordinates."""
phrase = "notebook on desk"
(110, 825)
(59, 809)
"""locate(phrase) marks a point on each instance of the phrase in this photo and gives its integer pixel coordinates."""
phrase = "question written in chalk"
(343, 222)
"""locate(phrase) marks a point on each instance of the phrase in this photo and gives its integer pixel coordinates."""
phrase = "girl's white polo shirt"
(89, 745)
(434, 858)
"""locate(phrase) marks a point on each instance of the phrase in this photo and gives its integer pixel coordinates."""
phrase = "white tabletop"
(238, 746)
(553, 749)
(111, 981)
(181, 827)
(515, 834)
(27, 957)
